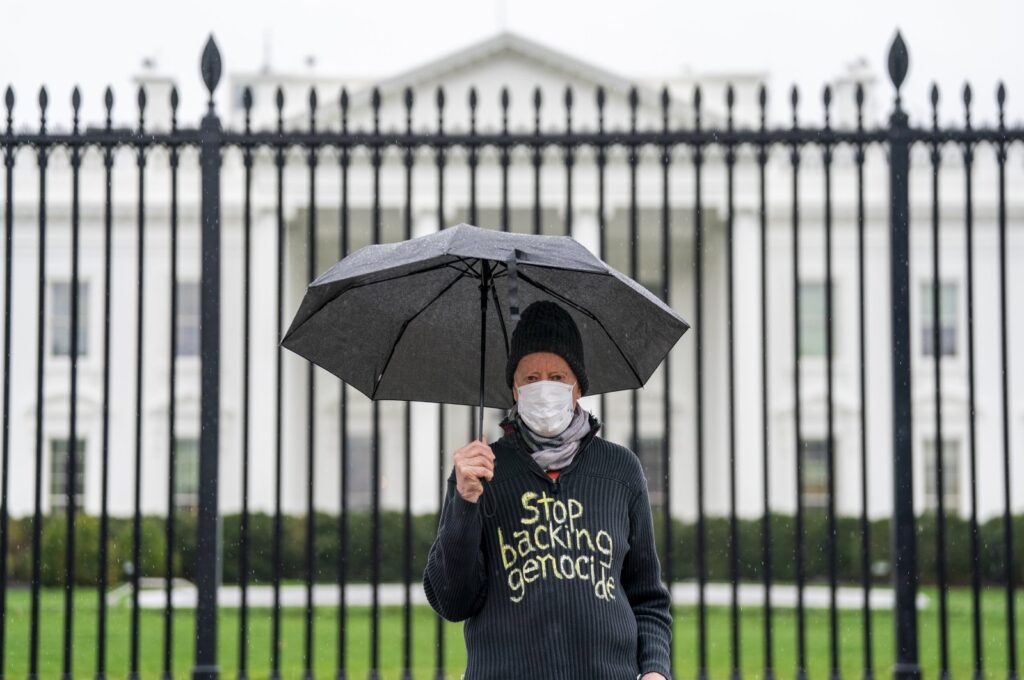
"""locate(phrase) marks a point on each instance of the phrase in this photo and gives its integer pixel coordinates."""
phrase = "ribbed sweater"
(563, 581)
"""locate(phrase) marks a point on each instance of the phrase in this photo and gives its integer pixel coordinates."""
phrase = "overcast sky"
(61, 43)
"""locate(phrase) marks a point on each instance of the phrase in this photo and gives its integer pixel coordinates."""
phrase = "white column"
(586, 230)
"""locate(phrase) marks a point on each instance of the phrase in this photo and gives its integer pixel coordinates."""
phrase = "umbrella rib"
(468, 271)
(405, 325)
(504, 330)
(426, 270)
(583, 310)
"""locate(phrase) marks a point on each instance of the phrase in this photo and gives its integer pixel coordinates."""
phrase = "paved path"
(183, 595)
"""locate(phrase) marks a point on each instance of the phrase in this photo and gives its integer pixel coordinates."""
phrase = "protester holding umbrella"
(563, 581)
(545, 545)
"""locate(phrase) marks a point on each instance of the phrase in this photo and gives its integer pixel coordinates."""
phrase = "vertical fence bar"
(37, 516)
(634, 248)
(344, 160)
(1011, 615)
(375, 160)
(698, 292)
(70, 462)
(140, 271)
(409, 160)
(472, 162)
(569, 160)
(171, 398)
(975, 538)
(801, 638)
(5, 464)
(666, 403)
(865, 526)
(442, 454)
(208, 529)
(538, 149)
(243, 527)
(311, 161)
(940, 486)
(278, 556)
(833, 609)
(766, 531)
(473, 159)
(505, 159)
(108, 219)
(903, 538)
(601, 159)
(734, 555)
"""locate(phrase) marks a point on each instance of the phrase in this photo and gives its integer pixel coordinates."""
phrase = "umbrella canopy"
(405, 320)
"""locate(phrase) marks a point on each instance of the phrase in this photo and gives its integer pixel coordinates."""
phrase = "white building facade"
(520, 65)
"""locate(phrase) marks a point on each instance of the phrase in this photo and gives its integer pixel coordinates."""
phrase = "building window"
(60, 323)
(650, 455)
(187, 338)
(947, 319)
(59, 473)
(358, 472)
(186, 473)
(814, 482)
(812, 319)
(950, 475)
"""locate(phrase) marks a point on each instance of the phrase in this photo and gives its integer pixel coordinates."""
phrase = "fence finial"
(210, 66)
(899, 62)
(1001, 102)
(9, 103)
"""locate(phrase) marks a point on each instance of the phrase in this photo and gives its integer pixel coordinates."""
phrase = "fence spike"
(696, 105)
(794, 101)
(730, 100)
(210, 66)
(968, 96)
(1001, 102)
(666, 101)
(762, 103)
(899, 62)
(9, 103)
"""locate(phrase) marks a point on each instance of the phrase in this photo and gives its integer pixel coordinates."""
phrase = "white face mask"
(546, 406)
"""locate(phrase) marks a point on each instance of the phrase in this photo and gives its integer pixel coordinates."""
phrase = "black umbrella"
(412, 320)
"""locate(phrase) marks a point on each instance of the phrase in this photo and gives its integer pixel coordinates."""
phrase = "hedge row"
(326, 542)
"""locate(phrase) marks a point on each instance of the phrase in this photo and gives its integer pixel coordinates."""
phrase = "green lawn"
(325, 656)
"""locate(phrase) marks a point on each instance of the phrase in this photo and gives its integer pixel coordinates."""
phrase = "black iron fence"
(85, 554)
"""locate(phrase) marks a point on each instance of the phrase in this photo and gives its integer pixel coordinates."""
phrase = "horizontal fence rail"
(243, 515)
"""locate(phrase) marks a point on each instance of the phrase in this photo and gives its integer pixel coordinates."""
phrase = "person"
(563, 581)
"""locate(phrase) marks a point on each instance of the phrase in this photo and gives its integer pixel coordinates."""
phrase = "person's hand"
(653, 676)
(473, 462)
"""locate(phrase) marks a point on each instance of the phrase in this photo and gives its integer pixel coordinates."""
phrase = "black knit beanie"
(545, 326)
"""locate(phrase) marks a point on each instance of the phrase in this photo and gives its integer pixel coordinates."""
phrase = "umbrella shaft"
(485, 282)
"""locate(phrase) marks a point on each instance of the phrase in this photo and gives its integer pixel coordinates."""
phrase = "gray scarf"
(553, 453)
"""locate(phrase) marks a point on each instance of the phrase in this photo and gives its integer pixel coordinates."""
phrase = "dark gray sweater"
(564, 580)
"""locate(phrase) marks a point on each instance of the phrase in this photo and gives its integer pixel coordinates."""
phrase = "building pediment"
(511, 61)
